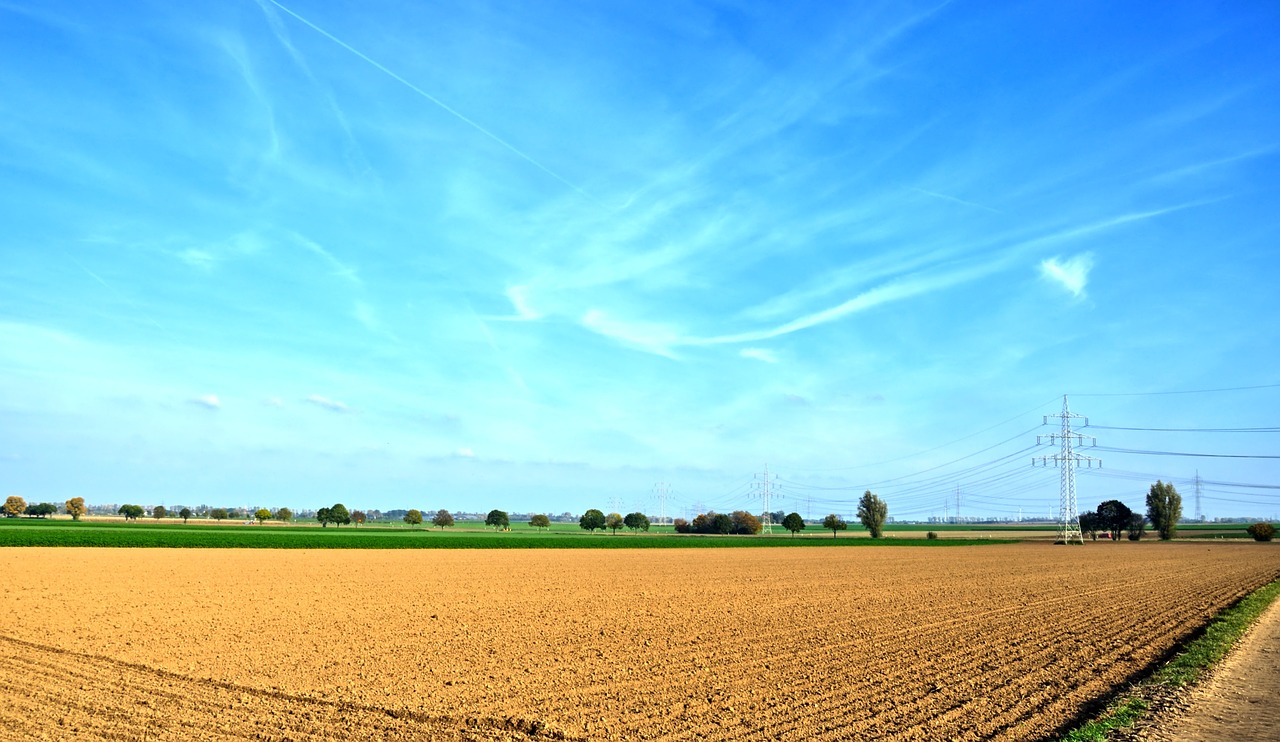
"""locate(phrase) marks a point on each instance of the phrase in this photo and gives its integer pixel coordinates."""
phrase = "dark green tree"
(498, 519)
(218, 513)
(1090, 524)
(872, 511)
(41, 510)
(1137, 527)
(1113, 517)
(442, 518)
(540, 521)
(834, 523)
(794, 523)
(1164, 509)
(722, 523)
(324, 517)
(184, 514)
(591, 520)
(339, 515)
(131, 512)
(159, 512)
(284, 514)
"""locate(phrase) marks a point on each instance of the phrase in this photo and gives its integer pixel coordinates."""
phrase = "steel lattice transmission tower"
(765, 490)
(662, 491)
(1067, 460)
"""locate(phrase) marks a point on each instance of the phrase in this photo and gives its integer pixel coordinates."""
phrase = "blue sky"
(546, 256)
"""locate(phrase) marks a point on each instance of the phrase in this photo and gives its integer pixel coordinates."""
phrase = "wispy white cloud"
(1072, 273)
(955, 200)
(759, 354)
(898, 290)
(207, 401)
(340, 269)
(332, 405)
(519, 296)
(648, 336)
(197, 258)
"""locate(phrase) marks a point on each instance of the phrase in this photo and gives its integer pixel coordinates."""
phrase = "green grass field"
(469, 535)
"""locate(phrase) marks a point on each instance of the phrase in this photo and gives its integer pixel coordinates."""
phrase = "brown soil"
(993, 642)
(1237, 702)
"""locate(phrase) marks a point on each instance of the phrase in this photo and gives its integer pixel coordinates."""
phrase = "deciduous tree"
(323, 516)
(1164, 509)
(681, 525)
(498, 519)
(540, 521)
(1261, 531)
(184, 514)
(131, 512)
(413, 517)
(636, 521)
(1114, 517)
(794, 523)
(263, 515)
(591, 520)
(745, 523)
(338, 515)
(41, 510)
(219, 514)
(159, 512)
(358, 517)
(284, 515)
(1137, 527)
(14, 506)
(75, 508)
(872, 511)
(443, 518)
(614, 521)
(834, 523)
(1090, 524)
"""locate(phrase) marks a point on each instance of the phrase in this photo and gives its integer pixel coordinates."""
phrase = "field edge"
(1189, 664)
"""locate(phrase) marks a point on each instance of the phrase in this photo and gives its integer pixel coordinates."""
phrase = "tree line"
(1164, 510)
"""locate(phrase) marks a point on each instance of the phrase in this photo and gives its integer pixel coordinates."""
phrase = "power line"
(1197, 455)
(1184, 391)
(1190, 430)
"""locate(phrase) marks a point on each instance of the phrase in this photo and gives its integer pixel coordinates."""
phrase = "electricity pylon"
(662, 491)
(764, 490)
(1067, 460)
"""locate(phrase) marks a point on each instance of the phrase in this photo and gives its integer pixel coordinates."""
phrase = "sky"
(544, 257)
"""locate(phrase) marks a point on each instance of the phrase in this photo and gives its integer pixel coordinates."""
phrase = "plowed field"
(991, 642)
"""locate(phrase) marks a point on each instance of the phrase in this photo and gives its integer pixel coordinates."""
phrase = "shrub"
(1262, 531)
(931, 536)
(681, 525)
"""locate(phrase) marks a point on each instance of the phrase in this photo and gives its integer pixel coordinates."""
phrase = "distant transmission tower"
(662, 491)
(1199, 515)
(765, 490)
(1067, 460)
